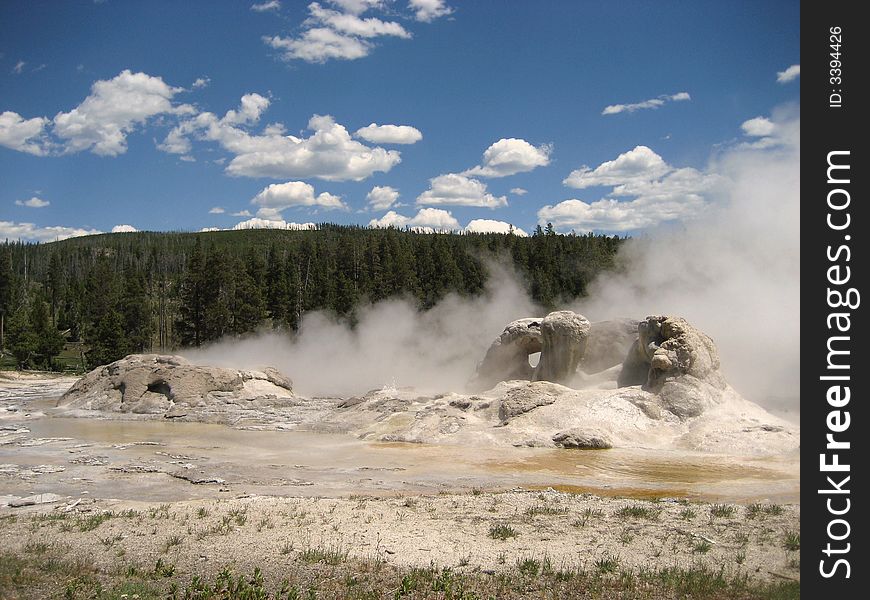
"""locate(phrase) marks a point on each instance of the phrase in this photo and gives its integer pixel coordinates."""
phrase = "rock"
(587, 439)
(674, 348)
(688, 396)
(36, 499)
(171, 387)
(508, 356)
(564, 335)
(635, 367)
(608, 344)
(678, 363)
(196, 479)
(276, 377)
(526, 398)
(561, 339)
(352, 401)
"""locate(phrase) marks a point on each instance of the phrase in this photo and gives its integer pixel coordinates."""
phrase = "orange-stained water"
(97, 452)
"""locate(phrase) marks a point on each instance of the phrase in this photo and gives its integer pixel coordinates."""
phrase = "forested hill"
(113, 294)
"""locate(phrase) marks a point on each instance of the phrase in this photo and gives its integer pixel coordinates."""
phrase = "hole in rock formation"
(160, 387)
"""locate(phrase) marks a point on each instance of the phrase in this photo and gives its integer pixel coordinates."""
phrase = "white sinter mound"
(649, 384)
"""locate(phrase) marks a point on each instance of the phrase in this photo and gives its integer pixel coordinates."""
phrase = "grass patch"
(32, 547)
(793, 541)
(757, 510)
(332, 555)
(93, 521)
(722, 511)
(639, 511)
(53, 574)
(173, 541)
(533, 567)
(159, 512)
(162, 569)
(607, 564)
(586, 515)
(544, 509)
(687, 514)
(502, 532)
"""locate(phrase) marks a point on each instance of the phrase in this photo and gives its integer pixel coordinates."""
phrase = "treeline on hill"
(87, 301)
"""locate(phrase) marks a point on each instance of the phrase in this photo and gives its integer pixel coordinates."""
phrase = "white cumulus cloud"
(352, 24)
(758, 127)
(256, 223)
(459, 190)
(33, 202)
(123, 229)
(23, 135)
(518, 191)
(266, 6)
(429, 10)
(615, 109)
(319, 45)
(200, 83)
(356, 7)
(509, 156)
(653, 191)
(336, 34)
(216, 210)
(790, 74)
(113, 109)
(343, 32)
(766, 133)
(29, 232)
(491, 226)
(330, 152)
(426, 219)
(389, 134)
(638, 164)
(279, 196)
(382, 197)
(440, 220)
(390, 219)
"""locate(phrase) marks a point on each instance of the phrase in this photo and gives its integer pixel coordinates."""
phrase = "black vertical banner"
(835, 424)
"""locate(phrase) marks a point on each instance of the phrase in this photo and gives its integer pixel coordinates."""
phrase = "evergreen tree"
(55, 284)
(168, 284)
(108, 342)
(21, 341)
(346, 290)
(277, 296)
(218, 293)
(296, 294)
(247, 307)
(33, 340)
(191, 323)
(135, 311)
(49, 340)
(6, 291)
(377, 288)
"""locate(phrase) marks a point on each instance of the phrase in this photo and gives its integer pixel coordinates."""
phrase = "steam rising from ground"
(734, 273)
(393, 345)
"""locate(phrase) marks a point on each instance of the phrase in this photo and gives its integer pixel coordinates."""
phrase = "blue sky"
(167, 115)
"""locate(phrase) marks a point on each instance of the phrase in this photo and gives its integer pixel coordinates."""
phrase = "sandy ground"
(195, 497)
(449, 530)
